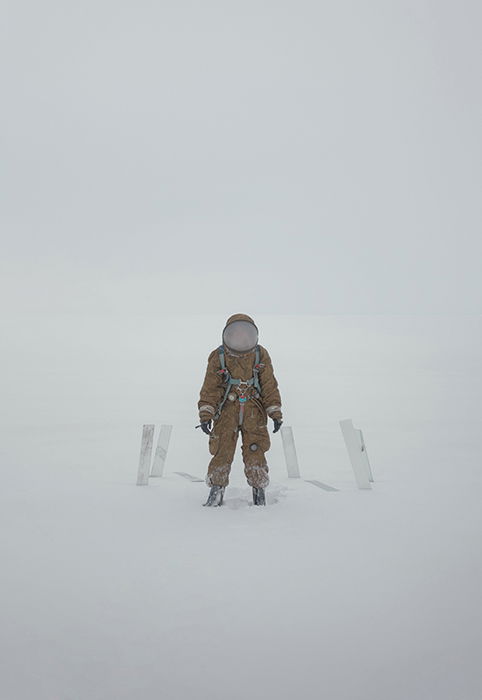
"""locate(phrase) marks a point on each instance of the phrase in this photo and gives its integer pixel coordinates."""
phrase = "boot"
(259, 498)
(215, 497)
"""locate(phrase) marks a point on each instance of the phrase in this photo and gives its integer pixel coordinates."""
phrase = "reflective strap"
(206, 409)
(242, 401)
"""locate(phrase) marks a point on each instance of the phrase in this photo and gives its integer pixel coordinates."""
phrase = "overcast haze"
(287, 157)
(164, 165)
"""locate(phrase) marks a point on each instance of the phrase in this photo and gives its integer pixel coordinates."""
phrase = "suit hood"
(240, 317)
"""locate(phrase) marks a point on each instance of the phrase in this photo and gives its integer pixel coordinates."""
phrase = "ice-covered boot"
(259, 498)
(216, 496)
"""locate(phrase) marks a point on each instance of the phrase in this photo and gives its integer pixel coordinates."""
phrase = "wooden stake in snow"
(357, 452)
(290, 452)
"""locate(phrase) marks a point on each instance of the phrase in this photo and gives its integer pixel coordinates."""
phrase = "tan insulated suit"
(249, 417)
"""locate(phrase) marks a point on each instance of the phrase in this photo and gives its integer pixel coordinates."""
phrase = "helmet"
(240, 333)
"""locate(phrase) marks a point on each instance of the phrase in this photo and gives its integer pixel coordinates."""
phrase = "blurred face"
(240, 336)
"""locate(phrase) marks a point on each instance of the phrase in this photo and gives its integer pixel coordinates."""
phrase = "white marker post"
(365, 455)
(290, 453)
(145, 455)
(161, 450)
(357, 453)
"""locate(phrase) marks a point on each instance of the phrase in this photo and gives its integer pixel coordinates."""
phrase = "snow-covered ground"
(113, 592)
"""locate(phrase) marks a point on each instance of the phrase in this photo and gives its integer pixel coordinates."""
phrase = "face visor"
(240, 336)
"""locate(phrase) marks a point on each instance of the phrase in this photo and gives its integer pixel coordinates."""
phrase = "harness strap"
(221, 356)
(256, 371)
(230, 381)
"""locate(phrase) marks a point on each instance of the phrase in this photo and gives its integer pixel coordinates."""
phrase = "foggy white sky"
(277, 157)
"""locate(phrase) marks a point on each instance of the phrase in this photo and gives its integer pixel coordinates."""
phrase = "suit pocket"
(259, 435)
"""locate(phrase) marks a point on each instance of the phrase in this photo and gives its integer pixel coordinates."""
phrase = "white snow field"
(112, 591)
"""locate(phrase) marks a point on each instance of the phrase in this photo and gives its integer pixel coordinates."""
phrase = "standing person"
(239, 392)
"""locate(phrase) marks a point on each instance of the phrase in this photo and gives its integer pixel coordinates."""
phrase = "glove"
(277, 424)
(206, 426)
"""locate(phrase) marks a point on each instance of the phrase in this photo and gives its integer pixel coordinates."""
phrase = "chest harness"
(242, 385)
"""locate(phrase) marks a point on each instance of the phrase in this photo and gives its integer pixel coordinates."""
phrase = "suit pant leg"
(222, 445)
(256, 442)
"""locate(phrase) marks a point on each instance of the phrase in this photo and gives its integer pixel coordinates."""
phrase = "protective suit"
(239, 392)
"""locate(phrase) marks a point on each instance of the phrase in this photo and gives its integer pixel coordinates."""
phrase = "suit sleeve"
(212, 390)
(270, 395)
